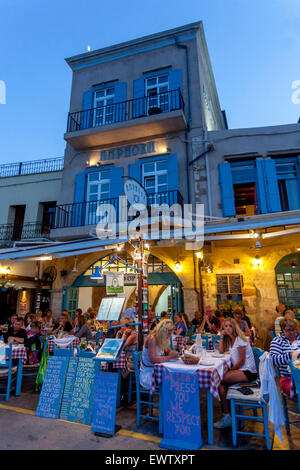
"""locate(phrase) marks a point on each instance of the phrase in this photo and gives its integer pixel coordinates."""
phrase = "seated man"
(33, 344)
(196, 322)
(63, 324)
(209, 323)
(281, 351)
(16, 333)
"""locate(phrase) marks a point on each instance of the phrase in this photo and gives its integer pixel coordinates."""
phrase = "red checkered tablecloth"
(19, 352)
(208, 378)
(179, 341)
(120, 364)
(75, 343)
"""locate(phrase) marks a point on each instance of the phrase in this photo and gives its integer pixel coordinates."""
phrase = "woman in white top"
(156, 349)
(243, 369)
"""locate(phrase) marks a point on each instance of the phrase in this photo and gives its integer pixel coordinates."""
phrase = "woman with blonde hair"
(243, 369)
(156, 350)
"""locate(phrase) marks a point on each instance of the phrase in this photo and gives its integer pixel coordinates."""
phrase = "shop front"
(165, 288)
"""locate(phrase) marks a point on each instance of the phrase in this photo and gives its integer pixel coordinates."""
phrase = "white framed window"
(98, 189)
(103, 102)
(155, 177)
(157, 92)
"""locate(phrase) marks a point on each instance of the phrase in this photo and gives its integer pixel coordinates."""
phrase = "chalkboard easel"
(105, 403)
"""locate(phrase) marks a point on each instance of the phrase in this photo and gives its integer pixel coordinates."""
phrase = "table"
(121, 363)
(19, 353)
(75, 343)
(209, 378)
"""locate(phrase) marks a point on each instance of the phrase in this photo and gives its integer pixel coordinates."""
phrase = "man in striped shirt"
(281, 352)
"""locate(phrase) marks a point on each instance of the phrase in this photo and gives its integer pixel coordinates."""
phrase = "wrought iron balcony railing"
(80, 214)
(32, 167)
(27, 231)
(125, 110)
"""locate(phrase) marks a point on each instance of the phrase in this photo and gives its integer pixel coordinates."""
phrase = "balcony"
(30, 231)
(32, 167)
(128, 120)
(76, 220)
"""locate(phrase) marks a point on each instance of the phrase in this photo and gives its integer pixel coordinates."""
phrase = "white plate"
(206, 363)
(218, 355)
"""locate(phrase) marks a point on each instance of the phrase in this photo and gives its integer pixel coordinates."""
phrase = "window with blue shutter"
(157, 92)
(288, 178)
(159, 176)
(103, 105)
(227, 194)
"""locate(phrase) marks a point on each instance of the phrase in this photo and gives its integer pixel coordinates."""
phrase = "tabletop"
(209, 376)
(18, 352)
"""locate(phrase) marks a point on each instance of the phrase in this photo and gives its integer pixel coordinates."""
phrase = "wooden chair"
(81, 353)
(144, 399)
(63, 352)
(8, 373)
(240, 403)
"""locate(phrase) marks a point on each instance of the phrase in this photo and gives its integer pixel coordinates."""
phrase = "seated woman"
(281, 351)
(83, 328)
(242, 324)
(48, 320)
(243, 368)
(180, 325)
(127, 333)
(156, 350)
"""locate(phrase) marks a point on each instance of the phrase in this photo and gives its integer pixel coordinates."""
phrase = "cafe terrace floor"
(23, 430)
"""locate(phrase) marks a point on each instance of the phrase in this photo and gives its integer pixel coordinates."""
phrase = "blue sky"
(253, 46)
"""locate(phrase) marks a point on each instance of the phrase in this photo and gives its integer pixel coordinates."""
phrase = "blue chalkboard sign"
(83, 392)
(105, 401)
(53, 387)
(68, 390)
(181, 411)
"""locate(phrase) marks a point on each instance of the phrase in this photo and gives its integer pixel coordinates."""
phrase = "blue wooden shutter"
(273, 197)
(175, 83)
(135, 172)
(79, 191)
(226, 189)
(139, 103)
(87, 113)
(261, 186)
(78, 210)
(120, 102)
(172, 172)
(116, 181)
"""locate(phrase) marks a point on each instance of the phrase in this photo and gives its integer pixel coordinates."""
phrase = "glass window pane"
(105, 188)
(93, 188)
(100, 94)
(162, 179)
(110, 91)
(163, 79)
(163, 89)
(94, 176)
(162, 165)
(148, 167)
(151, 81)
(149, 182)
(93, 197)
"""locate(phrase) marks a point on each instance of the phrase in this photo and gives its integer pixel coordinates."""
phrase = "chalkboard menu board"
(83, 392)
(105, 401)
(222, 285)
(181, 405)
(53, 387)
(235, 284)
(68, 391)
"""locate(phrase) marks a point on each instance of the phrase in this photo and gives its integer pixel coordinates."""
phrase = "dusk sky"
(253, 45)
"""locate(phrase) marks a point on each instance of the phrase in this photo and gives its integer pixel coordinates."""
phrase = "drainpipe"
(207, 174)
(182, 46)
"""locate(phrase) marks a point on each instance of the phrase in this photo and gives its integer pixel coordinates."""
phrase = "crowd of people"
(236, 337)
